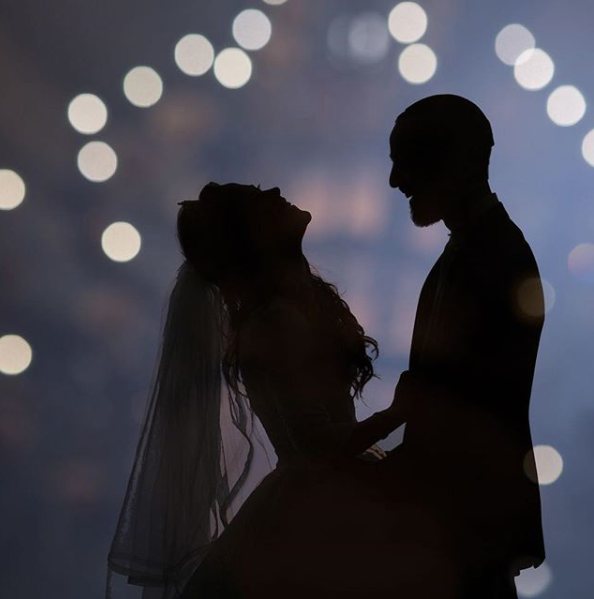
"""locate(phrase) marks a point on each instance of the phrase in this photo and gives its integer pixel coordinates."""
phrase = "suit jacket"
(474, 348)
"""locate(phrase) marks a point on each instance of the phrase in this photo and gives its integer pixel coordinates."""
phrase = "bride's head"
(247, 242)
(239, 235)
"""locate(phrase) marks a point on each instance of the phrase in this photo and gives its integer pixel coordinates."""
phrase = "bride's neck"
(285, 280)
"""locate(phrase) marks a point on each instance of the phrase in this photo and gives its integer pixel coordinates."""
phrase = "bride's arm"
(279, 346)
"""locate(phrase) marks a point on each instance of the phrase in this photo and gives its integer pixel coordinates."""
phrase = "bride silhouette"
(251, 327)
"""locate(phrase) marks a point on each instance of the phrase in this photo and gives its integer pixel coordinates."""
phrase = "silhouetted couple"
(452, 512)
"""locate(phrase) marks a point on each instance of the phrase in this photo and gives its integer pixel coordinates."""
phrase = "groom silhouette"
(475, 341)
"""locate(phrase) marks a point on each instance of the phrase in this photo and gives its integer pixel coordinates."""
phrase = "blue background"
(317, 126)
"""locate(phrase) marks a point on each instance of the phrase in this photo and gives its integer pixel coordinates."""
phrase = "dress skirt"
(355, 528)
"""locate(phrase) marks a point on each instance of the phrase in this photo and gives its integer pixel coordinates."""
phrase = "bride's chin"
(302, 218)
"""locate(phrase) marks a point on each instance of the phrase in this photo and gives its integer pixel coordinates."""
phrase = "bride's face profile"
(273, 223)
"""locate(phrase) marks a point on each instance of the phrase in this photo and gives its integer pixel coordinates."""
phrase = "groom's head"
(440, 148)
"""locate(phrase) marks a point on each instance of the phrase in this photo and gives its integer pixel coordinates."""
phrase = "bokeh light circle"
(275, 2)
(12, 189)
(143, 86)
(588, 147)
(233, 68)
(512, 41)
(417, 63)
(194, 54)
(121, 241)
(368, 37)
(407, 22)
(252, 29)
(97, 161)
(581, 262)
(535, 297)
(87, 113)
(338, 37)
(566, 105)
(550, 295)
(549, 464)
(534, 69)
(15, 354)
(533, 582)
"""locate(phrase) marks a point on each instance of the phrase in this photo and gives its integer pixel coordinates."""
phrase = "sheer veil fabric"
(193, 456)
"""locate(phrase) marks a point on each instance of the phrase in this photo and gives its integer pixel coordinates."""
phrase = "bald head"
(433, 127)
(440, 147)
(448, 114)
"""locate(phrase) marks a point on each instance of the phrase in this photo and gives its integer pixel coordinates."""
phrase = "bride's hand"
(375, 451)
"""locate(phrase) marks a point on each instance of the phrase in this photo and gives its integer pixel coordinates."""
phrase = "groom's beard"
(424, 211)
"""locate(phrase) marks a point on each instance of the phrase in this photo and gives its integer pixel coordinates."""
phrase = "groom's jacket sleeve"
(281, 350)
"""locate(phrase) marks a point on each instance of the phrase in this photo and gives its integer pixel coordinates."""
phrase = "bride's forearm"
(367, 432)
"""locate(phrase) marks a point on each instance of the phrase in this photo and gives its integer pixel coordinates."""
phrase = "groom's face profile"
(440, 148)
(420, 171)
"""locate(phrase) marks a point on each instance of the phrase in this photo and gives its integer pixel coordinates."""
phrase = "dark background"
(314, 119)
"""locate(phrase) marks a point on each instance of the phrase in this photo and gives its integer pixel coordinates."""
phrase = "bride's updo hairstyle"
(215, 237)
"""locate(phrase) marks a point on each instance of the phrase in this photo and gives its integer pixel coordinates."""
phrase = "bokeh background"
(111, 112)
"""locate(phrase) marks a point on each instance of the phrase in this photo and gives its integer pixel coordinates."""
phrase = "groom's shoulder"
(501, 251)
(502, 238)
